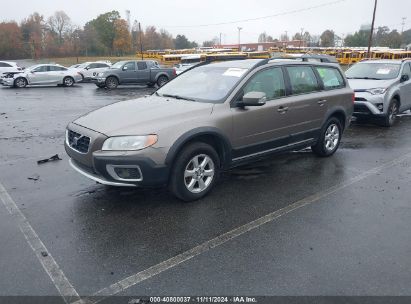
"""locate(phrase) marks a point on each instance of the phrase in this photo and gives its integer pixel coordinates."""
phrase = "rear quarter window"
(331, 78)
(302, 79)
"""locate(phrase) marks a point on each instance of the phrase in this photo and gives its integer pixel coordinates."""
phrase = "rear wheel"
(195, 172)
(68, 81)
(330, 138)
(111, 83)
(162, 80)
(20, 82)
(391, 117)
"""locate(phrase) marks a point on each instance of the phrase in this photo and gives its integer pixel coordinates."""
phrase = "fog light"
(124, 172)
(380, 106)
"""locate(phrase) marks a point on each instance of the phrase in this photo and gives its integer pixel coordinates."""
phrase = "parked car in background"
(74, 66)
(382, 89)
(211, 118)
(134, 72)
(43, 74)
(8, 67)
(89, 70)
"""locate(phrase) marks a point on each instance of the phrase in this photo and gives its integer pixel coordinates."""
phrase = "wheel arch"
(161, 74)
(340, 115)
(208, 135)
(24, 77)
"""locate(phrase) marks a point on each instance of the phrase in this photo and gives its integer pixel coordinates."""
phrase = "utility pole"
(141, 41)
(403, 23)
(372, 30)
(239, 38)
(220, 39)
(301, 37)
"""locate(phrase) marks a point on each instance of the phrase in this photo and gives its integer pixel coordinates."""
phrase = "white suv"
(89, 70)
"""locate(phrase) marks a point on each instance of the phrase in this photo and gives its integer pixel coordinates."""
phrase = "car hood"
(142, 116)
(365, 84)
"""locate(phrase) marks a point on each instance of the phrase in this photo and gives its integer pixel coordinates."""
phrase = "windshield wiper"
(177, 97)
(371, 78)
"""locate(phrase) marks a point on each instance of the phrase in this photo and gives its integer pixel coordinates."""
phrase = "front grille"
(78, 142)
(360, 108)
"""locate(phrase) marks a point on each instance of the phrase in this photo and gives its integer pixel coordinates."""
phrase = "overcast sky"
(184, 16)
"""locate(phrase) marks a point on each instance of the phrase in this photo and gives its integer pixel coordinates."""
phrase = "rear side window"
(4, 65)
(269, 81)
(302, 79)
(141, 65)
(57, 68)
(331, 78)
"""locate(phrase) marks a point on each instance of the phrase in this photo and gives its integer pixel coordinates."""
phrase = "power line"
(263, 17)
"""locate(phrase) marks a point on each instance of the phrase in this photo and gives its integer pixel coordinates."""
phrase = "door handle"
(282, 110)
(322, 102)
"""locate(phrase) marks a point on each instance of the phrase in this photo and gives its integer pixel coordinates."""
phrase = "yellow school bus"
(258, 55)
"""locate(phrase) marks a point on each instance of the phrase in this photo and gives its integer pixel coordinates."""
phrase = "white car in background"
(89, 70)
(43, 74)
(8, 67)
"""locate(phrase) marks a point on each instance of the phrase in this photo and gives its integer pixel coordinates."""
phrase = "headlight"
(129, 143)
(377, 91)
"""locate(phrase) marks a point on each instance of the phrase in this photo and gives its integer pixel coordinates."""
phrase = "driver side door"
(261, 128)
(129, 72)
(405, 88)
(39, 75)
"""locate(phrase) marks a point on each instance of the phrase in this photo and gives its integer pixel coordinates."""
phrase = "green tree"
(105, 27)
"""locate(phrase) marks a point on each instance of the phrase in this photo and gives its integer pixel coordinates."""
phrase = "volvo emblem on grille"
(75, 140)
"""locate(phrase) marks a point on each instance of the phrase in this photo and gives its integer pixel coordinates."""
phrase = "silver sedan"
(43, 74)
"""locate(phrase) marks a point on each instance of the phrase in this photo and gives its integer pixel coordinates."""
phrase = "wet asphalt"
(352, 238)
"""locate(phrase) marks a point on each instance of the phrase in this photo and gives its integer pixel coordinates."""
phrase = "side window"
(4, 65)
(43, 68)
(269, 81)
(406, 70)
(102, 65)
(57, 68)
(142, 65)
(331, 78)
(302, 79)
(131, 66)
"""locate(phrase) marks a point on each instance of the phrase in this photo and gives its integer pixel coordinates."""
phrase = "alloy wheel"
(199, 173)
(332, 137)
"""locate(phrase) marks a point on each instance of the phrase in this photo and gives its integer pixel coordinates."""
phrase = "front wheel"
(195, 172)
(330, 138)
(20, 82)
(391, 117)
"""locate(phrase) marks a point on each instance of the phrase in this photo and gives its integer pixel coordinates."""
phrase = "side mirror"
(405, 78)
(87, 68)
(125, 68)
(253, 99)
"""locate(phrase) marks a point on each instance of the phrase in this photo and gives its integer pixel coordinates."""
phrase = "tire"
(68, 81)
(20, 83)
(190, 180)
(151, 84)
(101, 86)
(330, 138)
(111, 83)
(162, 80)
(391, 117)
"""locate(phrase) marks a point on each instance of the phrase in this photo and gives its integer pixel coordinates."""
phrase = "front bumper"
(8, 82)
(150, 174)
(98, 80)
(369, 105)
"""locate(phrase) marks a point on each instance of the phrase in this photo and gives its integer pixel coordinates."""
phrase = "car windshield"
(117, 65)
(204, 84)
(377, 71)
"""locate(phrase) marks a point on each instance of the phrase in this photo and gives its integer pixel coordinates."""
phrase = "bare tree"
(59, 23)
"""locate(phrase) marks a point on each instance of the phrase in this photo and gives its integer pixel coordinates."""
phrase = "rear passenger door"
(306, 105)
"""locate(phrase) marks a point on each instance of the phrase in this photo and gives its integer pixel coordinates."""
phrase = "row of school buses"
(345, 56)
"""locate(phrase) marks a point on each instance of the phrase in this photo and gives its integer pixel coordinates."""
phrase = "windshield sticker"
(383, 71)
(234, 72)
